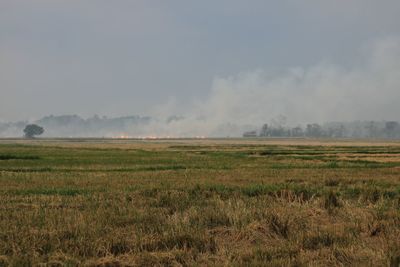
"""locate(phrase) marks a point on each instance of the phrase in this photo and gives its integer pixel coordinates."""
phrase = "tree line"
(357, 129)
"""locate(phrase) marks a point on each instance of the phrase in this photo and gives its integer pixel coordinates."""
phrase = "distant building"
(250, 134)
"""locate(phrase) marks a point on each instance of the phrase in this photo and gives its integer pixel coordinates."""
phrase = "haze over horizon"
(214, 62)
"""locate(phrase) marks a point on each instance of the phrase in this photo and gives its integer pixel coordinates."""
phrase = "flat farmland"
(217, 202)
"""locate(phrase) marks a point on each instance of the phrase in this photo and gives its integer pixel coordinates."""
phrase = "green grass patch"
(18, 157)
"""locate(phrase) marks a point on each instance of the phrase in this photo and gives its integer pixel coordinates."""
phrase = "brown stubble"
(185, 202)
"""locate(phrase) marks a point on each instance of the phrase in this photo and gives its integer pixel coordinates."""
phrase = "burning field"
(221, 202)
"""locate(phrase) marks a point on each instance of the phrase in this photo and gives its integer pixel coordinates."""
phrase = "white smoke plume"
(369, 90)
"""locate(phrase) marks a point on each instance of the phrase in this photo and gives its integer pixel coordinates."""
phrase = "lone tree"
(32, 129)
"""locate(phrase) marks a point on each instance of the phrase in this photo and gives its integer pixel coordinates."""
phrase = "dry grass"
(197, 203)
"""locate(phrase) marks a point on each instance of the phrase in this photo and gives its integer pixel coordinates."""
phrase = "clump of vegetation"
(279, 226)
(331, 201)
(32, 130)
(332, 182)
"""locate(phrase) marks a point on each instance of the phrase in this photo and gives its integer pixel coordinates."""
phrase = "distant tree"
(32, 129)
(264, 130)
(391, 128)
(372, 129)
(314, 130)
(334, 130)
(297, 132)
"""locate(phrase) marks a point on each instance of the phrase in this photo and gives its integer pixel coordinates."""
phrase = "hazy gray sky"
(149, 57)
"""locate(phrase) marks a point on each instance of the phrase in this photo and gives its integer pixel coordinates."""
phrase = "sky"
(220, 60)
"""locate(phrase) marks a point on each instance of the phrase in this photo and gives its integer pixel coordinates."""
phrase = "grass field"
(199, 203)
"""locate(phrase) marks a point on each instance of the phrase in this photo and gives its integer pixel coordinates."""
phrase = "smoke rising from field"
(368, 90)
